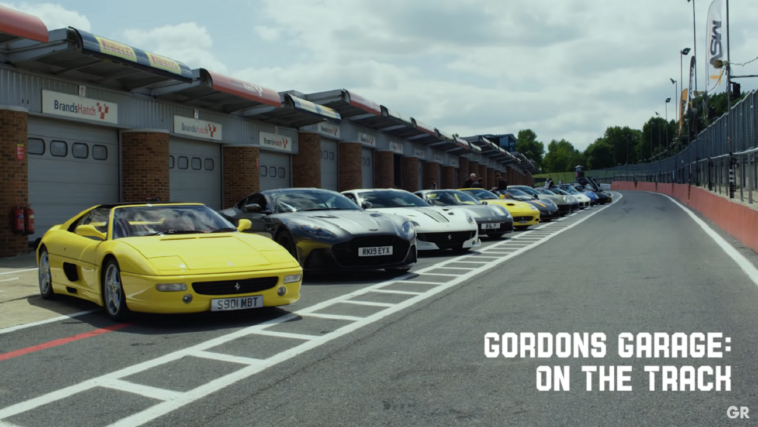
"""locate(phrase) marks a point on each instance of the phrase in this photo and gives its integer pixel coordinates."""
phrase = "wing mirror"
(366, 205)
(244, 224)
(484, 203)
(253, 208)
(89, 231)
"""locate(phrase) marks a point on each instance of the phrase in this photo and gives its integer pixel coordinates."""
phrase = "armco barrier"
(741, 222)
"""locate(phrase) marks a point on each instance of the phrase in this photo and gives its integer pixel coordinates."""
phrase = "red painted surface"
(22, 25)
(61, 341)
(364, 104)
(245, 90)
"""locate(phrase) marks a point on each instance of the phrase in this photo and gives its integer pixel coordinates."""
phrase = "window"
(197, 163)
(35, 146)
(282, 174)
(183, 162)
(331, 155)
(272, 171)
(59, 148)
(264, 171)
(171, 162)
(98, 217)
(80, 150)
(99, 152)
(209, 164)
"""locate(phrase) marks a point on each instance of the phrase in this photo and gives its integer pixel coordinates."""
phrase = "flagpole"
(694, 38)
(729, 105)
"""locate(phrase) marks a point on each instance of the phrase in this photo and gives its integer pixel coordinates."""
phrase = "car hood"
(432, 218)
(213, 253)
(514, 207)
(483, 212)
(353, 222)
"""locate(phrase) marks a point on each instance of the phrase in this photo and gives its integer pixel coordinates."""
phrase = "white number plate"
(491, 226)
(240, 303)
(523, 222)
(375, 251)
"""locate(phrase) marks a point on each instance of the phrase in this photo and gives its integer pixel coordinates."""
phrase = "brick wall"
(350, 165)
(15, 178)
(448, 178)
(306, 164)
(241, 174)
(483, 174)
(431, 172)
(462, 171)
(410, 174)
(144, 160)
(384, 169)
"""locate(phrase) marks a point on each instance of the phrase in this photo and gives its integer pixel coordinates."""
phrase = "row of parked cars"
(185, 257)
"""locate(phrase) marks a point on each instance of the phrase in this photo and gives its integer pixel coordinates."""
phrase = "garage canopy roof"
(295, 113)
(15, 25)
(218, 92)
(91, 59)
(348, 104)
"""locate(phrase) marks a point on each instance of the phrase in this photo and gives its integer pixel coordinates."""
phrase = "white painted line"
(390, 291)
(200, 392)
(421, 282)
(335, 317)
(473, 262)
(290, 335)
(17, 271)
(9, 280)
(43, 322)
(483, 256)
(737, 257)
(441, 274)
(221, 357)
(142, 390)
(7, 424)
(368, 303)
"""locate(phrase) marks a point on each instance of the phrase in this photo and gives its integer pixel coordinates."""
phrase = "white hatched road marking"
(212, 355)
(368, 303)
(472, 262)
(142, 390)
(334, 316)
(421, 282)
(390, 291)
(5, 273)
(9, 280)
(287, 335)
(200, 392)
(42, 322)
(7, 424)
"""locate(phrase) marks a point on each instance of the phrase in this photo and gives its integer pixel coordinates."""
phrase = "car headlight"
(292, 278)
(469, 219)
(501, 210)
(415, 224)
(408, 229)
(533, 208)
(317, 231)
(171, 287)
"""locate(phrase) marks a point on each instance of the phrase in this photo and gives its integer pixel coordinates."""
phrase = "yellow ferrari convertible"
(524, 215)
(164, 258)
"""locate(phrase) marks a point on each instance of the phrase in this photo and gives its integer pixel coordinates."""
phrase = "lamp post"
(667, 121)
(676, 87)
(694, 35)
(682, 53)
(659, 135)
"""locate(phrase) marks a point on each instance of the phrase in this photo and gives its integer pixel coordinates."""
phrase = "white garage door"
(195, 172)
(368, 168)
(329, 169)
(72, 167)
(275, 170)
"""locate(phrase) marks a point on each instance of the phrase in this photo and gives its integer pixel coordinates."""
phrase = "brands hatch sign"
(366, 139)
(327, 129)
(79, 107)
(276, 142)
(197, 128)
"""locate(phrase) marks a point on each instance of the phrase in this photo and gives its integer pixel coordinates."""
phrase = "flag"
(682, 104)
(714, 45)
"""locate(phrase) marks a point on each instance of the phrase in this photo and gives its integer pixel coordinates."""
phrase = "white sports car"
(584, 201)
(437, 227)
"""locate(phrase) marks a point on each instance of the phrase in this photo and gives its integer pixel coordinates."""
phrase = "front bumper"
(317, 256)
(526, 220)
(141, 295)
(504, 227)
(448, 240)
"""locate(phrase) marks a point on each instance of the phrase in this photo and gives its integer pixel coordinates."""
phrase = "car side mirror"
(252, 208)
(366, 205)
(244, 224)
(484, 203)
(89, 231)
(502, 196)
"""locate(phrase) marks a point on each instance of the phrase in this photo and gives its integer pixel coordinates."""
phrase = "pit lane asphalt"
(641, 265)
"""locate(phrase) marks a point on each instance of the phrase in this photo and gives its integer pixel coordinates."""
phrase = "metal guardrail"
(705, 161)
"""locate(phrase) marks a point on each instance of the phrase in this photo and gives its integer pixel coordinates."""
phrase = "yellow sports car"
(164, 258)
(524, 215)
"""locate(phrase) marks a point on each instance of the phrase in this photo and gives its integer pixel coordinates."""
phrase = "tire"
(44, 277)
(112, 292)
(285, 239)
(495, 235)
(398, 271)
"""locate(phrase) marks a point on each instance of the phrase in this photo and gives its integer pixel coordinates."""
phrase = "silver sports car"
(493, 220)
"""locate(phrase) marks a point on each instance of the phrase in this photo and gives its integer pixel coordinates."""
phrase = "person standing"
(502, 184)
(478, 184)
(470, 181)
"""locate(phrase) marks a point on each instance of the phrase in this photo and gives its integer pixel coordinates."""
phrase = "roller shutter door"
(367, 160)
(195, 172)
(72, 167)
(275, 170)
(329, 169)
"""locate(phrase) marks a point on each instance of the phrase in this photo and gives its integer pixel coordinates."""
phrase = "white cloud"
(268, 34)
(187, 42)
(53, 15)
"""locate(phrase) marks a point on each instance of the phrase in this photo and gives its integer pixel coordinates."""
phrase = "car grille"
(564, 208)
(522, 218)
(346, 253)
(447, 239)
(229, 287)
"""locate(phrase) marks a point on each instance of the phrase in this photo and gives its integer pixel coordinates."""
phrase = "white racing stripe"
(737, 257)
(256, 366)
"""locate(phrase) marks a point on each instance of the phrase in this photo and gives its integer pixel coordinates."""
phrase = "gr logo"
(735, 412)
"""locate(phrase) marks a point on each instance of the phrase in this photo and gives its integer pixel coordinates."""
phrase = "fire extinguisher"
(29, 220)
(18, 220)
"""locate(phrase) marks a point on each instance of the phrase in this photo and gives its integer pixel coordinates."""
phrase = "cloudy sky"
(564, 68)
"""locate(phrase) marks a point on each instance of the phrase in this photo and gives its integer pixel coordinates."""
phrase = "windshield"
(151, 220)
(450, 198)
(514, 192)
(392, 199)
(482, 194)
(559, 191)
(570, 190)
(528, 190)
(545, 192)
(310, 200)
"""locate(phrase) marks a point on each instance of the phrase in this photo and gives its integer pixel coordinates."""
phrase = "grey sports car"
(493, 220)
(324, 230)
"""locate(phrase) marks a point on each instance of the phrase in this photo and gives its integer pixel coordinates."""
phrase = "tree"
(528, 145)
(562, 157)
(612, 149)
(599, 154)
